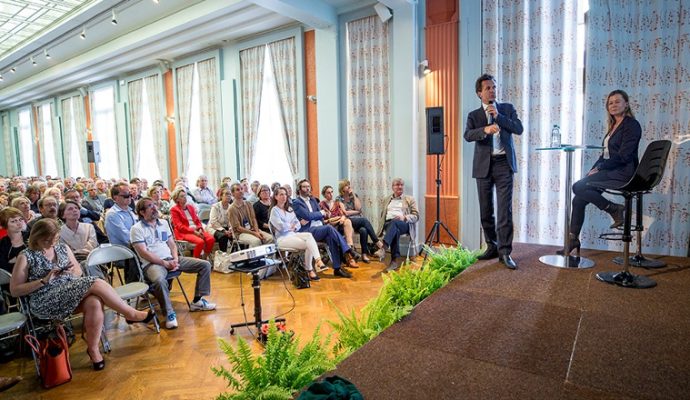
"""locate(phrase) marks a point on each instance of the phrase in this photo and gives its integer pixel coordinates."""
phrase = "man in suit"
(492, 127)
(311, 217)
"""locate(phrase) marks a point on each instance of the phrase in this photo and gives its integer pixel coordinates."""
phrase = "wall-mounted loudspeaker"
(383, 12)
(93, 152)
(434, 130)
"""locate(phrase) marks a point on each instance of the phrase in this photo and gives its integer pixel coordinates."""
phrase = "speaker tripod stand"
(434, 235)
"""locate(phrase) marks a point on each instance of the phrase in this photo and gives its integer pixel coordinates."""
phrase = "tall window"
(48, 142)
(270, 162)
(26, 144)
(194, 167)
(75, 166)
(105, 132)
(148, 167)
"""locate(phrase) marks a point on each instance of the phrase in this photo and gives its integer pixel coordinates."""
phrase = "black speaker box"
(93, 152)
(434, 130)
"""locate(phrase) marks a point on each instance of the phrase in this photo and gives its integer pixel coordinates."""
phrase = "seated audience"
(165, 193)
(337, 217)
(23, 204)
(399, 216)
(187, 225)
(13, 243)
(55, 192)
(155, 245)
(307, 210)
(85, 215)
(101, 188)
(33, 193)
(4, 200)
(119, 218)
(219, 221)
(243, 220)
(262, 207)
(79, 236)
(360, 223)
(203, 194)
(48, 206)
(93, 200)
(286, 229)
(254, 192)
(50, 276)
(163, 206)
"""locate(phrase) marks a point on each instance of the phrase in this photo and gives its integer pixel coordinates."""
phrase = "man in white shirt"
(155, 245)
(203, 194)
(399, 216)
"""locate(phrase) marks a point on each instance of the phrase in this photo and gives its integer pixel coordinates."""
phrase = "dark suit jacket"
(623, 148)
(509, 123)
(302, 212)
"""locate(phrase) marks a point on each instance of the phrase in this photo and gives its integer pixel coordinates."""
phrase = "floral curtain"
(80, 126)
(283, 60)
(38, 111)
(67, 132)
(368, 111)
(643, 47)
(185, 83)
(153, 98)
(135, 92)
(209, 98)
(531, 48)
(9, 165)
(251, 75)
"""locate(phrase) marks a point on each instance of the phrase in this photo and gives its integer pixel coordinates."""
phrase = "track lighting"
(33, 61)
(113, 20)
(1, 78)
(13, 70)
(424, 66)
(83, 33)
(45, 52)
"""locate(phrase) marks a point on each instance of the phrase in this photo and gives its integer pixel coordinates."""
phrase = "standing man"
(492, 127)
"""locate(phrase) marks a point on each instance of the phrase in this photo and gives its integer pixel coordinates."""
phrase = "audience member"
(262, 207)
(337, 217)
(254, 192)
(13, 243)
(155, 245)
(360, 223)
(399, 216)
(48, 206)
(119, 218)
(219, 221)
(188, 227)
(243, 220)
(93, 200)
(79, 236)
(23, 204)
(163, 206)
(203, 194)
(33, 193)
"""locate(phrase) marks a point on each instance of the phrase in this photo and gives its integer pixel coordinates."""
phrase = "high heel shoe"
(97, 366)
(574, 244)
(617, 212)
(144, 321)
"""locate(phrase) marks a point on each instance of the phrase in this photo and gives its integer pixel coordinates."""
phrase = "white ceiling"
(145, 33)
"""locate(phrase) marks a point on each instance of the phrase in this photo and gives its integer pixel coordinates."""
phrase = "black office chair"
(647, 175)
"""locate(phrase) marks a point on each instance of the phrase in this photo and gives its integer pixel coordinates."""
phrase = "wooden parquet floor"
(177, 363)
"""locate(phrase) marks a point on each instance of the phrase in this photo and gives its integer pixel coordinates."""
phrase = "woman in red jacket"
(188, 227)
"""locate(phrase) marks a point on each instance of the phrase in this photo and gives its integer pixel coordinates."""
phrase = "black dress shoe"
(144, 321)
(392, 266)
(507, 261)
(491, 252)
(342, 272)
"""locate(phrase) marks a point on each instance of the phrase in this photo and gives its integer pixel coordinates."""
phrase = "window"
(105, 132)
(75, 166)
(194, 166)
(148, 167)
(270, 162)
(26, 144)
(48, 143)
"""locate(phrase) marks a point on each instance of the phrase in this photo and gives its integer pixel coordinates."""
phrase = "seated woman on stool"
(286, 228)
(360, 223)
(338, 218)
(187, 225)
(615, 166)
(51, 277)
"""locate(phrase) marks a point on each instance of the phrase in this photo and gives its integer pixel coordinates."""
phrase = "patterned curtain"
(135, 90)
(368, 111)
(251, 75)
(38, 110)
(531, 49)
(153, 97)
(643, 47)
(210, 134)
(67, 131)
(80, 126)
(9, 165)
(184, 81)
(283, 59)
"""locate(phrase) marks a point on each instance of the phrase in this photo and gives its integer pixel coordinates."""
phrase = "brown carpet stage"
(536, 333)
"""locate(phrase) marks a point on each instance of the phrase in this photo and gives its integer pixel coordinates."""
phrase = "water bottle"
(556, 136)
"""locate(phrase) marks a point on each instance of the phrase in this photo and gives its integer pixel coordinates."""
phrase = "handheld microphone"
(490, 117)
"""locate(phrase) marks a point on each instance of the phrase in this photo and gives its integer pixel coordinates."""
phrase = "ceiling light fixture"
(156, 1)
(83, 33)
(113, 20)
(13, 70)
(1, 78)
(33, 61)
(45, 53)
(424, 66)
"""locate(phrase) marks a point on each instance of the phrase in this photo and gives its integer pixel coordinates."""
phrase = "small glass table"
(566, 260)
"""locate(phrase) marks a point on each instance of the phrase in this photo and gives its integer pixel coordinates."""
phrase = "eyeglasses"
(265, 190)
(125, 196)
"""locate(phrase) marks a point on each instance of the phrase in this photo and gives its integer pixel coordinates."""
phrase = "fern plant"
(277, 374)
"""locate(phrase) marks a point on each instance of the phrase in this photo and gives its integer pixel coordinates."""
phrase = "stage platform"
(536, 333)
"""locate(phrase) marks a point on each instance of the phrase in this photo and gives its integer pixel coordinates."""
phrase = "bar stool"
(639, 260)
(647, 175)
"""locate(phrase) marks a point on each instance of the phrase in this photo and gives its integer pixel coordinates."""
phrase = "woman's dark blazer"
(623, 148)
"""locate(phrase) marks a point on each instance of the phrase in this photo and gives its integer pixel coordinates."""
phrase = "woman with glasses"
(262, 208)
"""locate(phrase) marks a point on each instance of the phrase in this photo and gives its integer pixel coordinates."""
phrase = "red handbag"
(53, 358)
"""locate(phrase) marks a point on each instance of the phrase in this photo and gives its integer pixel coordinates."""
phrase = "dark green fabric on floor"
(331, 388)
